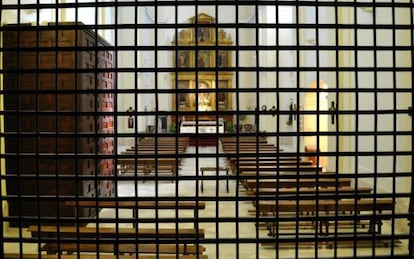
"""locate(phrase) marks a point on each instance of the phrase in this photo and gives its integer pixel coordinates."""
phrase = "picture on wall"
(204, 59)
(183, 58)
(203, 34)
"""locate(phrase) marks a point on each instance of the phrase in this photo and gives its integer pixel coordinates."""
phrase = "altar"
(202, 127)
(203, 131)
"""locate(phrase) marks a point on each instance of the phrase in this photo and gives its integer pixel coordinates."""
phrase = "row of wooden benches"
(147, 158)
(163, 155)
(148, 165)
(118, 240)
(144, 158)
(284, 188)
(328, 210)
(179, 242)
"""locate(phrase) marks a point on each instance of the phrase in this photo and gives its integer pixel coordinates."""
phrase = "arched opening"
(316, 122)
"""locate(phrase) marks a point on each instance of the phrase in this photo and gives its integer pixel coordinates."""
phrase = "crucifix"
(332, 109)
(130, 118)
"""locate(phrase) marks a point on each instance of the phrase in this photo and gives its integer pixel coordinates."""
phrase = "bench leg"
(227, 180)
(202, 181)
(375, 226)
(272, 230)
(146, 171)
(320, 226)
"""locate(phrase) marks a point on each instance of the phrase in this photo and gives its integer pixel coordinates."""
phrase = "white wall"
(383, 101)
(354, 100)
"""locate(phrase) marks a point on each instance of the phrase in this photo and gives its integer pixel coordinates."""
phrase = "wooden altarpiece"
(203, 78)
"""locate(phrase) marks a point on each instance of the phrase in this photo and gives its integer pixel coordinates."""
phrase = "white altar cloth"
(203, 127)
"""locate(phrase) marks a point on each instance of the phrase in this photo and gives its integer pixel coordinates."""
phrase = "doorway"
(316, 102)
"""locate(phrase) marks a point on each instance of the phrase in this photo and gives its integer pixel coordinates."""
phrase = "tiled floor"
(222, 209)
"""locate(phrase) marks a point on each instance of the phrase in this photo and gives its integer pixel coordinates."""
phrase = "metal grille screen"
(206, 129)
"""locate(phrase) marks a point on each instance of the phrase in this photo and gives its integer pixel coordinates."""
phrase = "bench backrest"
(115, 232)
(326, 205)
(186, 205)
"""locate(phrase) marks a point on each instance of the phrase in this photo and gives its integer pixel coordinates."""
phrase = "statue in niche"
(203, 97)
(182, 100)
(222, 101)
(222, 59)
(222, 35)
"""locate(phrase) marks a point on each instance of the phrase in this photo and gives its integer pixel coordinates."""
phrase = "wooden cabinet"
(411, 224)
(57, 115)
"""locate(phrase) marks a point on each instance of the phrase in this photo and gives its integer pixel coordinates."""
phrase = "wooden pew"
(272, 192)
(159, 145)
(118, 240)
(283, 178)
(248, 146)
(261, 160)
(157, 149)
(328, 207)
(277, 169)
(151, 153)
(162, 250)
(141, 249)
(251, 184)
(253, 159)
(276, 157)
(250, 150)
(247, 142)
(233, 146)
(148, 165)
(242, 139)
(164, 139)
(280, 175)
(244, 143)
(119, 232)
(257, 164)
(164, 146)
(101, 256)
(138, 205)
(170, 143)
